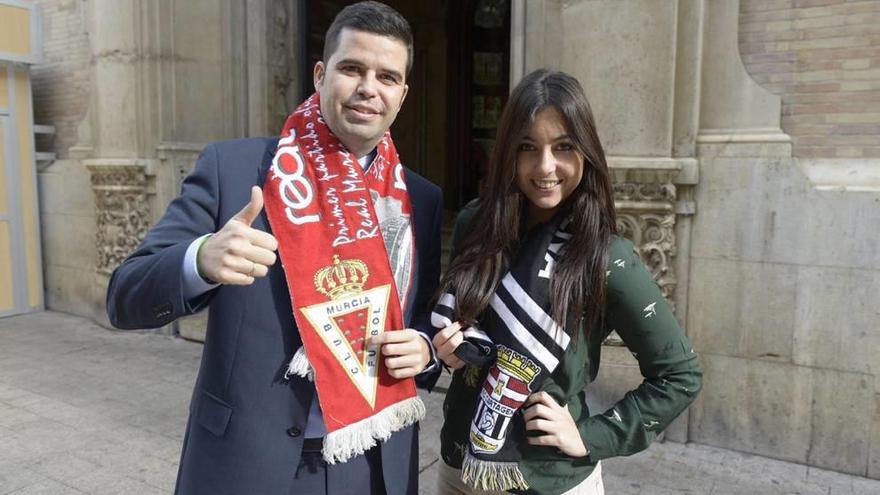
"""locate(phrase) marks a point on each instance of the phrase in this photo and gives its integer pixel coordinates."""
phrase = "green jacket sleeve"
(638, 312)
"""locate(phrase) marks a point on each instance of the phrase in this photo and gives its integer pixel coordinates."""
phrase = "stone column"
(112, 140)
(162, 89)
(628, 62)
(116, 54)
(638, 62)
(737, 116)
(273, 57)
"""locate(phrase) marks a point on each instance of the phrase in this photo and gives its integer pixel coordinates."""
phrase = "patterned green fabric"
(638, 312)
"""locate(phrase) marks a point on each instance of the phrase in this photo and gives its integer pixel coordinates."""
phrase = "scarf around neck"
(346, 246)
(521, 344)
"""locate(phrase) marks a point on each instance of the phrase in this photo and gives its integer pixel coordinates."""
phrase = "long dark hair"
(577, 288)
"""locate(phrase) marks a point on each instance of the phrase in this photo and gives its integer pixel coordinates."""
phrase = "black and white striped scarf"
(521, 343)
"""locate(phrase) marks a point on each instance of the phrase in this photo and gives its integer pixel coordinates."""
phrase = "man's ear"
(403, 96)
(318, 75)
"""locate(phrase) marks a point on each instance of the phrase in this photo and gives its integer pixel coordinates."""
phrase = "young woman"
(538, 279)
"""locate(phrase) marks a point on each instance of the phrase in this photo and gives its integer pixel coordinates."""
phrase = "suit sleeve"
(639, 313)
(146, 290)
(429, 281)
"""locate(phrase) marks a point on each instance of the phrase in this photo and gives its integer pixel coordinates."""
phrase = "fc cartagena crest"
(504, 390)
(349, 318)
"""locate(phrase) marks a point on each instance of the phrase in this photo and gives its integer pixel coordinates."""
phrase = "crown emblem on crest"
(341, 278)
(517, 365)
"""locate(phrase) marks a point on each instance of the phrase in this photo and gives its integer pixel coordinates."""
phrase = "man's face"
(362, 88)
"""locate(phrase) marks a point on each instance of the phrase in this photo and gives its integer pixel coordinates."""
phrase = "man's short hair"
(372, 17)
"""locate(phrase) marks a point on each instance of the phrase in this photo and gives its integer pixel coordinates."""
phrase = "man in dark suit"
(253, 428)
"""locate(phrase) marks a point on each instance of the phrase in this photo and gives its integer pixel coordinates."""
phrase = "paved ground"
(87, 410)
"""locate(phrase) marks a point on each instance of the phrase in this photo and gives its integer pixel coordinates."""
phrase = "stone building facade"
(821, 57)
(751, 190)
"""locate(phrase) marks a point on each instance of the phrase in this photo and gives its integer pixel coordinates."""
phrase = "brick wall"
(61, 83)
(823, 58)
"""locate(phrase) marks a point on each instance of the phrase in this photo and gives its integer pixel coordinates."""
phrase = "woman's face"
(548, 166)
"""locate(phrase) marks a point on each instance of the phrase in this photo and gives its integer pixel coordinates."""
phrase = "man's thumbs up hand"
(249, 213)
(238, 253)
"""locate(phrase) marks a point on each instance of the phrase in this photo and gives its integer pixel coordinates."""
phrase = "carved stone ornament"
(122, 212)
(646, 216)
(633, 191)
(179, 158)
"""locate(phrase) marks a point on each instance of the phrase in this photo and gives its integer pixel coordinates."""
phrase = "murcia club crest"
(504, 390)
(349, 318)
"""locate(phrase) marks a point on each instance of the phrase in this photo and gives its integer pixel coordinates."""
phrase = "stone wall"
(61, 83)
(135, 90)
(783, 278)
(784, 262)
(823, 58)
(784, 259)
(62, 86)
(646, 113)
(775, 258)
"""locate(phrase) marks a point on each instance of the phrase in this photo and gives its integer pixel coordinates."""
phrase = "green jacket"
(638, 312)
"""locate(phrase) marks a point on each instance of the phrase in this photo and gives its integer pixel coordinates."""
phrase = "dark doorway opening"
(457, 88)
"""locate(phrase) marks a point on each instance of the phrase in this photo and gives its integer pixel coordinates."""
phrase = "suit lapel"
(263, 172)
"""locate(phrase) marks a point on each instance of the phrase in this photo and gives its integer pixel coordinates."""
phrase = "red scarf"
(323, 211)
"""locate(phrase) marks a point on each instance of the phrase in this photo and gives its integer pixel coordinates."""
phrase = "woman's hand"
(445, 342)
(542, 413)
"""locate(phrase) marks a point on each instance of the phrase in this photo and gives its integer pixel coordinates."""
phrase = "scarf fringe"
(357, 438)
(492, 475)
(300, 366)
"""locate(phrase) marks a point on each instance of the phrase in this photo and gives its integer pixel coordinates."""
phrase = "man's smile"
(362, 111)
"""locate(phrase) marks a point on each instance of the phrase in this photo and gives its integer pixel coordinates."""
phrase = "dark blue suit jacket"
(244, 433)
